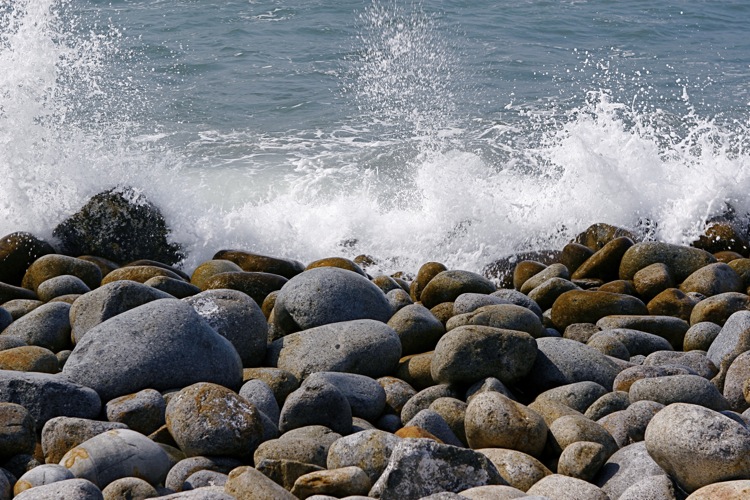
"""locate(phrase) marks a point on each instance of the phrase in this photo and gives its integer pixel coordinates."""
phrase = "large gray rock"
(682, 261)
(506, 316)
(626, 467)
(562, 361)
(47, 396)
(422, 467)
(713, 279)
(160, 345)
(579, 395)
(116, 454)
(41, 475)
(468, 354)
(108, 301)
(327, 295)
(237, 318)
(262, 396)
(697, 446)
(733, 340)
(316, 402)
(679, 389)
(369, 450)
(365, 347)
(208, 419)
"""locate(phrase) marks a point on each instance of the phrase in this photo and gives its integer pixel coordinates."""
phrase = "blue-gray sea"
(411, 131)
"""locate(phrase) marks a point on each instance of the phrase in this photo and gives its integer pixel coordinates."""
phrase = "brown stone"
(252, 262)
(209, 269)
(672, 302)
(718, 308)
(605, 263)
(584, 306)
(52, 265)
(525, 270)
(257, 285)
(415, 370)
(339, 262)
(141, 274)
(29, 358)
(598, 235)
(653, 280)
(573, 255)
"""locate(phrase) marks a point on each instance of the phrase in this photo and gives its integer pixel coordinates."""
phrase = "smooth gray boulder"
(61, 434)
(365, 347)
(422, 467)
(46, 326)
(417, 328)
(679, 389)
(80, 489)
(316, 402)
(116, 454)
(237, 318)
(365, 395)
(262, 396)
(108, 301)
(733, 340)
(566, 488)
(61, 285)
(626, 467)
(432, 422)
(160, 345)
(41, 475)
(325, 295)
(47, 396)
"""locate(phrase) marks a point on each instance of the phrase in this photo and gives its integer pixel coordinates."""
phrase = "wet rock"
(129, 488)
(605, 263)
(116, 454)
(328, 295)
(80, 489)
(53, 265)
(343, 482)
(17, 252)
(237, 318)
(247, 483)
(29, 359)
(139, 274)
(47, 396)
(713, 279)
(160, 345)
(421, 467)
(671, 329)
(17, 431)
(566, 488)
(548, 292)
(518, 469)
(309, 445)
(556, 270)
(471, 353)
(46, 326)
(653, 280)
(562, 361)
(208, 419)
(59, 286)
(174, 287)
(61, 434)
(599, 234)
(10, 292)
(681, 260)
(495, 421)
(448, 285)
(426, 272)
(697, 446)
(719, 308)
(338, 262)
(252, 262)
(119, 225)
(584, 306)
(366, 347)
(417, 328)
(207, 270)
(142, 412)
(256, 285)
(108, 301)
(316, 402)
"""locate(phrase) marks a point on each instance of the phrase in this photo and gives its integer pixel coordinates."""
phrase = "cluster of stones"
(611, 369)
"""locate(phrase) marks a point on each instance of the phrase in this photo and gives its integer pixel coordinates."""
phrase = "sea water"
(410, 131)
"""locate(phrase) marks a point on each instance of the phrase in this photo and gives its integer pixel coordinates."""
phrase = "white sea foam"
(407, 180)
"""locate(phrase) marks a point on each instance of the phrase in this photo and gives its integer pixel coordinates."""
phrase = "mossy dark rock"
(119, 225)
(255, 284)
(598, 235)
(252, 262)
(17, 252)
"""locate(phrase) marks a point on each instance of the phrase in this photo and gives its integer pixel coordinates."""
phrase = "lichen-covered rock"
(61, 434)
(421, 467)
(29, 358)
(129, 487)
(471, 353)
(208, 419)
(41, 475)
(80, 489)
(697, 446)
(142, 412)
(369, 450)
(160, 345)
(119, 225)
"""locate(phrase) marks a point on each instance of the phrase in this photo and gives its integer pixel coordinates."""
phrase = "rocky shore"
(617, 367)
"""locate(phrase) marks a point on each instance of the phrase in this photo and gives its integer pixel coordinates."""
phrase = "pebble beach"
(616, 367)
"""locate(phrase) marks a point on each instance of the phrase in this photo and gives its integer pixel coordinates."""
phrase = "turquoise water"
(411, 131)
